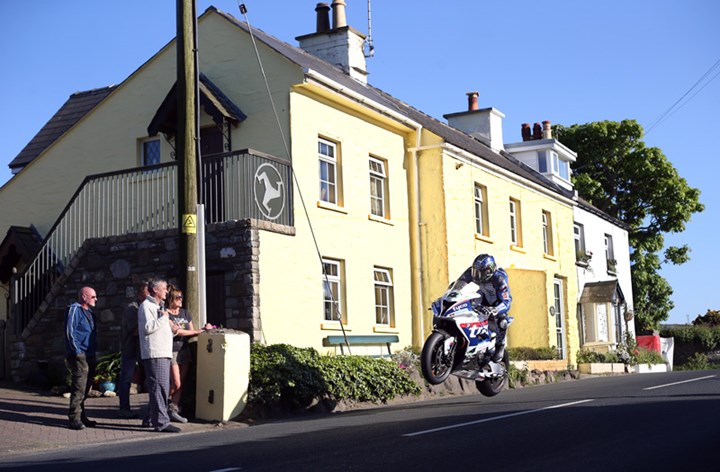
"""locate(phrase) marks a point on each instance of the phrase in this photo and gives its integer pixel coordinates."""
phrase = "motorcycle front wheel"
(492, 387)
(435, 363)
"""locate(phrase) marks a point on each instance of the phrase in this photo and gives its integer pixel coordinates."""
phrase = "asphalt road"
(633, 422)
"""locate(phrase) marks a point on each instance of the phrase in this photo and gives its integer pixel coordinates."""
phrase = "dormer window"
(549, 162)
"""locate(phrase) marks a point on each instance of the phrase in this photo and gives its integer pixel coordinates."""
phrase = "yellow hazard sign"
(189, 224)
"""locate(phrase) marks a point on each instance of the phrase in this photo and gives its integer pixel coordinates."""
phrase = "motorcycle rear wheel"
(436, 365)
(492, 387)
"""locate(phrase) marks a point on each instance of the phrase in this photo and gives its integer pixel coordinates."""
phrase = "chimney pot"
(526, 132)
(323, 17)
(547, 131)
(339, 16)
(537, 131)
(473, 101)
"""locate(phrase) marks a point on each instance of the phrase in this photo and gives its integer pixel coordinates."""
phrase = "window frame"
(384, 287)
(610, 254)
(579, 237)
(515, 212)
(482, 217)
(548, 240)
(329, 190)
(143, 152)
(380, 179)
(333, 279)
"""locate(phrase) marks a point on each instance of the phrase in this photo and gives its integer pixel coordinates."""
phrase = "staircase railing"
(110, 204)
(237, 185)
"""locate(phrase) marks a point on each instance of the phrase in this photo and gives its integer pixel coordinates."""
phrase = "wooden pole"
(187, 156)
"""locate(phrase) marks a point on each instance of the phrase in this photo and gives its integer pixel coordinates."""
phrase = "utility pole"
(186, 149)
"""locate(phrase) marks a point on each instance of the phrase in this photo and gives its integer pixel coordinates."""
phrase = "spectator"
(80, 347)
(130, 349)
(182, 356)
(156, 332)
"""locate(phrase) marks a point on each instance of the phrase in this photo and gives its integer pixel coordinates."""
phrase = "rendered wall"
(449, 213)
(290, 270)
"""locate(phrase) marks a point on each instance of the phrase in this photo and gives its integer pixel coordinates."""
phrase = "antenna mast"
(369, 49)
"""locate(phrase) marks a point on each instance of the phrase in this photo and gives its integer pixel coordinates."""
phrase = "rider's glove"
(501, 321)
(485, 310)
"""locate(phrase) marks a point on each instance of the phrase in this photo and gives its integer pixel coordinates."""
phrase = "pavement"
(36, 420)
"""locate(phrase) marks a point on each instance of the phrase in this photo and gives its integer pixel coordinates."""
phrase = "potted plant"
(107, 372)
(583, 258)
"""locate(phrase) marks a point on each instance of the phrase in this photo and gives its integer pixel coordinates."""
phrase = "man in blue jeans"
(130, 349)
(80, 347)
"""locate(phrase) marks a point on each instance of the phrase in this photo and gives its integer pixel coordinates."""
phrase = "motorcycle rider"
(495, 295)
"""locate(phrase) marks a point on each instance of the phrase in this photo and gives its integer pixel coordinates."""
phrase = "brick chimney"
(484, 124)
(538, 132)
(341, 46)
(547, 130)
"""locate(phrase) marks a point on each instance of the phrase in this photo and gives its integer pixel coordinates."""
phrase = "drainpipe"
(416, 261)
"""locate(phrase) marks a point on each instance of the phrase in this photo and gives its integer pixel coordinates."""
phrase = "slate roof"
(77, 106)
(587, 206)
(448, 133)
(602, 292)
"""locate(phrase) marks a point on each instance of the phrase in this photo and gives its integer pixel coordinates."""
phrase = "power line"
(677, 105)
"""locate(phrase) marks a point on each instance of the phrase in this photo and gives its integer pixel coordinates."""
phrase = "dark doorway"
(215, 293)
(211, 143)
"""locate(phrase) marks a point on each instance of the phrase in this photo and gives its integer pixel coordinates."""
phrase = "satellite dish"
(629, 315)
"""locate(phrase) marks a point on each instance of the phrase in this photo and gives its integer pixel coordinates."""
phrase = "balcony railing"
(238, 185)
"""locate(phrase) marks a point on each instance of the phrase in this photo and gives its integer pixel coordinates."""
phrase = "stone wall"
(113, 267)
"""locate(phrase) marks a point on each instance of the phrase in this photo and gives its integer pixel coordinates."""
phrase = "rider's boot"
(499, 353)
(500, 339)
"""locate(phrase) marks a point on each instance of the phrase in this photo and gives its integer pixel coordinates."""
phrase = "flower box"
(602, 368)
(650, 368)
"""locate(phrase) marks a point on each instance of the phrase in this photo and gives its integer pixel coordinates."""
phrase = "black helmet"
(484, 268)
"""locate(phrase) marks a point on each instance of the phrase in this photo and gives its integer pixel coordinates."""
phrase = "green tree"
(711, 319)
(636, 184)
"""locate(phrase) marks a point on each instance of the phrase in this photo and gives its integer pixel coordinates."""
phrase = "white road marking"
(495, 418)
(678, 383)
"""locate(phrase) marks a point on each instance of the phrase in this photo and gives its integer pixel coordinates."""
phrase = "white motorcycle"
(462, 343)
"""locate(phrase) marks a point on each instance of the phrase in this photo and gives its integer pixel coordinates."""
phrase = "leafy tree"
(636, 184)
(711, 318)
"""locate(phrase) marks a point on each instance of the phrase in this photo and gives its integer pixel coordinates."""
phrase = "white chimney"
(342, 46)
(484, 124)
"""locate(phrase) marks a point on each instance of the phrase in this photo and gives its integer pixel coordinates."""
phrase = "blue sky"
(567, 61)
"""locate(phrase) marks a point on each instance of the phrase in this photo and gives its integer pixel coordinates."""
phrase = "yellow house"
(382, 208)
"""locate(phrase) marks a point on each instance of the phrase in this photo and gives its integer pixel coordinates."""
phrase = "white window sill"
(334, 326)
(331, 206)
(380, 219)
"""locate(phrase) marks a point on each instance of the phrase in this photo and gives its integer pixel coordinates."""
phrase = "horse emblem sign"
(269, 191)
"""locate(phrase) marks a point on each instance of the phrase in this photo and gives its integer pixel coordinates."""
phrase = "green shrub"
(281, 374)
(613, 357)
(586, 356)
(697, 361)
(108, 367)
(532, 353)
(706, 336)
(517, 377)
(291, 377)
(646, 356)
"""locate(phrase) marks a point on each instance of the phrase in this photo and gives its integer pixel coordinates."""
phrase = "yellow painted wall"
(291, 294)
(449, 213)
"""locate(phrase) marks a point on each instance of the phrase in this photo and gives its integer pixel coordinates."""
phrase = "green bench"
(360, 340)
